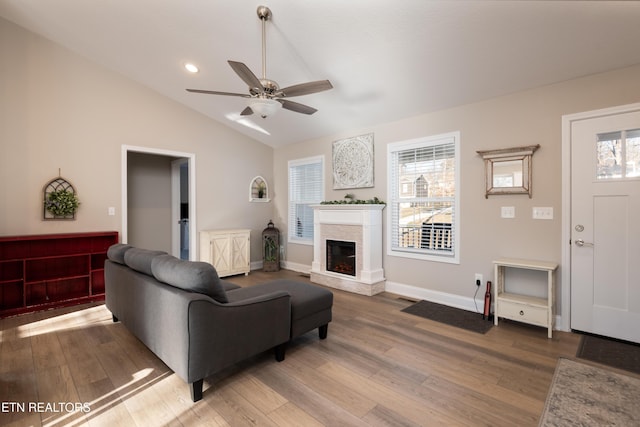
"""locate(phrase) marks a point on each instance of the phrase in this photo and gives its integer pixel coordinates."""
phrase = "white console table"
(524, 308)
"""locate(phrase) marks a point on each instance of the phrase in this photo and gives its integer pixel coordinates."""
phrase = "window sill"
(444, 258)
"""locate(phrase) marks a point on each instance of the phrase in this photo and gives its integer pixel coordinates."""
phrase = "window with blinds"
(306, 187)
(423, 214)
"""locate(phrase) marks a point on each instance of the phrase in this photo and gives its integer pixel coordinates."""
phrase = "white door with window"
(605, 225)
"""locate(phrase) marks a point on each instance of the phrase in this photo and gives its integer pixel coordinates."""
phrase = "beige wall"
(526, 118)
(59, 110)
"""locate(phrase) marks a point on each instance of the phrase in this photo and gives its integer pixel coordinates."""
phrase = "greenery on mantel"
(62, 203)
(350, 199)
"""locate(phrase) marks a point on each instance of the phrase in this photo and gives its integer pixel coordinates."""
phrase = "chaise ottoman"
(310, 304)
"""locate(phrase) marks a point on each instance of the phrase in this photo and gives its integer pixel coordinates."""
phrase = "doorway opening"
(175, 172)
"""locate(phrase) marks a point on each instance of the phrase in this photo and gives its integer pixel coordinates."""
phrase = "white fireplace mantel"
(359, 223)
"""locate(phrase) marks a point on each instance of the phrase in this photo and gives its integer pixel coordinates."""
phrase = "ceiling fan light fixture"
(265, 96)
(192, 68)
(264, 107)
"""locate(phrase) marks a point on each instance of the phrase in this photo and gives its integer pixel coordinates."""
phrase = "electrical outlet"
(478, 279)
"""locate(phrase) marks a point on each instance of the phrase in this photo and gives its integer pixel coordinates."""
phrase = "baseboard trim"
(294, 266)
(457, 301)
(415, 293)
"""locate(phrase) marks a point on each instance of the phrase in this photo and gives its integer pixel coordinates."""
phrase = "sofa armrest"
(223, 334)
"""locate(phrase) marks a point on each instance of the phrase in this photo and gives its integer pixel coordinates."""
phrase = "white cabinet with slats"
(227, 250)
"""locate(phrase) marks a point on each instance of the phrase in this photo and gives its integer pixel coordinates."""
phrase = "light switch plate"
(542, 213)
(508, 212)
(111, 211)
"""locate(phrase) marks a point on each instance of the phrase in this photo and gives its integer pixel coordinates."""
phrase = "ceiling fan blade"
(296, 106)
(247, 112)
(306, 88)
(214, 92)
(246, 75)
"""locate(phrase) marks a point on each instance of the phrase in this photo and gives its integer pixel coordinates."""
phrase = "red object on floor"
(487, 302)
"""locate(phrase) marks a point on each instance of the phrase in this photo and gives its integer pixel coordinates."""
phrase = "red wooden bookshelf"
(38, 272)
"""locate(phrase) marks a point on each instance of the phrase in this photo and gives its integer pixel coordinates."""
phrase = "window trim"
(394, 147)
(291, 237)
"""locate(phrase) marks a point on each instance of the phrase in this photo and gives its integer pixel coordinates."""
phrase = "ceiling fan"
(265, 96)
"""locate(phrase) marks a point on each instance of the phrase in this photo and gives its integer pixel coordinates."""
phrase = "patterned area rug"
(451, 316)
(585, 395)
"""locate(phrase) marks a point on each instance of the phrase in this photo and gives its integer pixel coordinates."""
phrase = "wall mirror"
(508, 170)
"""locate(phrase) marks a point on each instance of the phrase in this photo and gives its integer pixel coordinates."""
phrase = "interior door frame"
(567, 121)
(191, 159)
(176, 244)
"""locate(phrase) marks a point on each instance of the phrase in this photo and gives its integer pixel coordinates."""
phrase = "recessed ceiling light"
(191, 68)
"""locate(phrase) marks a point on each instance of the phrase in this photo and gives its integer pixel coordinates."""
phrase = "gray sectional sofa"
(198, 324)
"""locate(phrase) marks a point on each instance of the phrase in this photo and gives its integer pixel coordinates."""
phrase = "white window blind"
(423, 198)
(306, 187)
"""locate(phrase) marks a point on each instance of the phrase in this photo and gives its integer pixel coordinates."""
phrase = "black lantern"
(270, 248)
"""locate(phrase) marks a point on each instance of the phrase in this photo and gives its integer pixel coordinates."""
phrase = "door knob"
(581, 243)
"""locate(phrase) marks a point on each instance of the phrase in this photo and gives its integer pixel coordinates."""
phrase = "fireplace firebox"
(341, 257)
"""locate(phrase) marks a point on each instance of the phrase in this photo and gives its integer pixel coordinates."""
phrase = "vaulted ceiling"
(386, 59)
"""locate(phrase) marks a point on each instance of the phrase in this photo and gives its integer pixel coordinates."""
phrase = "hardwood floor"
(378, 366)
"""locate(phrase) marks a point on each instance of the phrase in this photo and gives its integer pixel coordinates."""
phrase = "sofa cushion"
(116, 252)
(228, 286)
(192, 276)
(140, 259)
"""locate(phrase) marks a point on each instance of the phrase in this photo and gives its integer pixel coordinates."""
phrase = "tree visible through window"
(618, 154)
(423, 195)
(306, 187)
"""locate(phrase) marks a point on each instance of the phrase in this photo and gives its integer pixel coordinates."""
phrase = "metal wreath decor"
(60, 200)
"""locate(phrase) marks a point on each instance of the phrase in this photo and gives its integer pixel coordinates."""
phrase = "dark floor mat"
(610, 352)
(451, 316)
